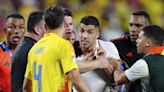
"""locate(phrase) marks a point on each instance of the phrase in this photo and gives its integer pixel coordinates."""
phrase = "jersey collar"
(157, 50)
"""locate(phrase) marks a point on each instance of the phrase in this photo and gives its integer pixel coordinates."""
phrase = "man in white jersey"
(94, 50)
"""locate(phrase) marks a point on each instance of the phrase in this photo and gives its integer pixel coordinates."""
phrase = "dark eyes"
(81, 30)
(13, 27)
(137, 25)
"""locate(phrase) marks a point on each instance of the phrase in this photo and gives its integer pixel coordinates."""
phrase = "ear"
(149, 43)
(37, 30)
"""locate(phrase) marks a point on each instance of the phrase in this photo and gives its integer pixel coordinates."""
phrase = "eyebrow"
(90, 29)
(14, 24)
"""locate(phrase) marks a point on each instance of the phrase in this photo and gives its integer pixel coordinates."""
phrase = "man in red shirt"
(14, 29)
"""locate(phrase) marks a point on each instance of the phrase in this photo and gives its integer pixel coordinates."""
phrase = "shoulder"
(151, 57)
(110, 49)
(65, 43)
(105, 43)
(124, 38)
(121, 40)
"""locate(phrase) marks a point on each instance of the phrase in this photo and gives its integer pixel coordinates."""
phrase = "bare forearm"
(79, 84)
(86, 66)
(120, 77)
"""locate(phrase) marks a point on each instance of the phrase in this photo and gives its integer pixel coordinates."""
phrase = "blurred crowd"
(112, 14)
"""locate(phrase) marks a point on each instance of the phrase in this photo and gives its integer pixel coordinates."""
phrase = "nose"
(85, 35)
(65, 25)
(17, 30)
(133, 28)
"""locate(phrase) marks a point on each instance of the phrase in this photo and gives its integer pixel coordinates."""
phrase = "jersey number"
(39, 76)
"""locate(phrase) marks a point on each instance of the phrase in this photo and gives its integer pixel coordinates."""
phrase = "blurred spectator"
(6, 7)
(111, 24)
(28, 6)
(80, 8)
(155, 8)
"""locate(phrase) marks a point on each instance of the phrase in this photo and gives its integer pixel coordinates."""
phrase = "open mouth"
(68, 33)
(16, 38)
(84, 42)
(134, 36)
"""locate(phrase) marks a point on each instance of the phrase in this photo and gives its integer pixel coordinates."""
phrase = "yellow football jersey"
(48, 62)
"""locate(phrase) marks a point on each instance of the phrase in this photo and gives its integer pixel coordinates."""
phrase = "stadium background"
(112, 14)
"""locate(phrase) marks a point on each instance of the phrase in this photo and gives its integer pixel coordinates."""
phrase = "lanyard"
(6, 48)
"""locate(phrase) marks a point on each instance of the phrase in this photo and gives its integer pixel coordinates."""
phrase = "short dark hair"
(54, 16)
(67, 12)
(142, 13)
(155, 33)
(90, 20)
(34, 18)
(15, 15)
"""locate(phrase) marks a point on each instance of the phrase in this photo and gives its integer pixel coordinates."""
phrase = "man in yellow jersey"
(51, 61)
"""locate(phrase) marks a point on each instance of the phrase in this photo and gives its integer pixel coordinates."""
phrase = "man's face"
(142, 43)
(15, 30)
(136, 24)
(68, 25)
(88, 35)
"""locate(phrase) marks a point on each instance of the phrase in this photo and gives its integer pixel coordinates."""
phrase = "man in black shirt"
(127, 45)
(35, 30)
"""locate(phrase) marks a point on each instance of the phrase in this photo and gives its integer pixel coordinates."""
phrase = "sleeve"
(68, 60)
(137, 71)
(28, 69)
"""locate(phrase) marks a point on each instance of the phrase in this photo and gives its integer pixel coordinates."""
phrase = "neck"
(33, 36)
(58, 31)
(86, 51)
(10, 46)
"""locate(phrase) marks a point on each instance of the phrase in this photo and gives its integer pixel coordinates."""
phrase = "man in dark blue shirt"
(35, 30)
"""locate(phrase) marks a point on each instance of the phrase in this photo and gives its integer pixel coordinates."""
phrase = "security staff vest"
(156, 72)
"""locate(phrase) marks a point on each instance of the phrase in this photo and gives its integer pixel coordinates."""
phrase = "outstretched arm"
(137, 71)
(85, 66)
(79, 84)
(91, 62)
(118, 74)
